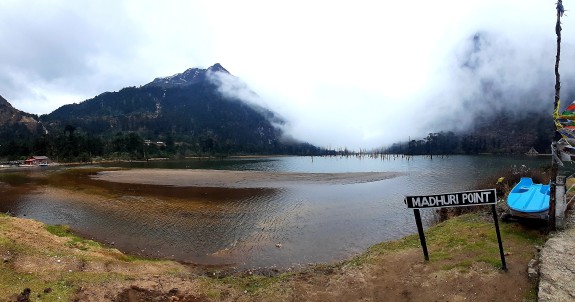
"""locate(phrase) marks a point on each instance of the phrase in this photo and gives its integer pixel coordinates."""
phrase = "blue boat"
(529, 200)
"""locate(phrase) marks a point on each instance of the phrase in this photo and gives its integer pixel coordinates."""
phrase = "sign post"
(501, 253)
(421, 233)
(459, 199)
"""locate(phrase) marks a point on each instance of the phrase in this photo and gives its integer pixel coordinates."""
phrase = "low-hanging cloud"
(493, 72)
(358, 75)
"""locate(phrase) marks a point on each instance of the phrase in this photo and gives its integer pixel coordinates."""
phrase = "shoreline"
(56, 263)
(84, 270)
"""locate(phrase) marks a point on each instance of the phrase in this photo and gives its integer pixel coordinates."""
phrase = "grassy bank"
(58, 266)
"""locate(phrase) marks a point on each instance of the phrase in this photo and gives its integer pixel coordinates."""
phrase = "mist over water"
(243, 227)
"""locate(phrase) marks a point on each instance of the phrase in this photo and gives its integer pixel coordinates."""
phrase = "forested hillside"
(502, 133)
(181, 115)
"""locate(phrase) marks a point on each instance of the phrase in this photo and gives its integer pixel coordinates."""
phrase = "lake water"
(242, 227)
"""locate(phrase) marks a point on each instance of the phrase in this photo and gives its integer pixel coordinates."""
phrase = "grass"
(75, 241)
(469, 234)
(86, 244)
(46, 287)
(45, 290)
(457, 244)
(51, 285)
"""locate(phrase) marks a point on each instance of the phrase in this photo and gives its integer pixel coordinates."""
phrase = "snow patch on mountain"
(189, 77)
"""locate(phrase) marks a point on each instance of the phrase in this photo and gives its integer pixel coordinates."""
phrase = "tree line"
(446, 143)
(74, 145)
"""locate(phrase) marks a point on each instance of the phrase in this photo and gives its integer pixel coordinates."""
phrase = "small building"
(532, 151)
(37, 161)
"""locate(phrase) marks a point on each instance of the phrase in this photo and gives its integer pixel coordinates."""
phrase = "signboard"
(459, 199)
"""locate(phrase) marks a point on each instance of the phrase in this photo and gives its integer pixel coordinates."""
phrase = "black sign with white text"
(468, 198)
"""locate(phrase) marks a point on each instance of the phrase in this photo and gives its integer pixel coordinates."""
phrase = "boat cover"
(528, 197)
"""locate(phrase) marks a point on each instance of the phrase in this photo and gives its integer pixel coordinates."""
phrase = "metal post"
(421, 233)
(501, 253)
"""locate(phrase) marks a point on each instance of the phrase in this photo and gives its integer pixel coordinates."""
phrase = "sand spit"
(236, 179)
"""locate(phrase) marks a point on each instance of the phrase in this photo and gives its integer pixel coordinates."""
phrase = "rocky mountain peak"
(188, 77)
(217, 68)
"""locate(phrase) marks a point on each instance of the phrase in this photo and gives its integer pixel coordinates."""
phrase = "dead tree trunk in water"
(554, 163)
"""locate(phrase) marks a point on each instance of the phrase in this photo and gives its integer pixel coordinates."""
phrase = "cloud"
(356, 74)
(233, 87)
(493, 71)
(57, 50)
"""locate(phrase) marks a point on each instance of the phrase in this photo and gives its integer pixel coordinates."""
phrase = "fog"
(359, 74)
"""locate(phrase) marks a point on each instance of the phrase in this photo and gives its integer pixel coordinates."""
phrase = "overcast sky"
(356, 74)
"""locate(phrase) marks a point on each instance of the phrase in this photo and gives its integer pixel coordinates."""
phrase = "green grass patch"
(520, 232)
(13, 283)
(75, 240)
(458, 243)
(86, 244)
(470, 235)
(462, 265)
(60, 230)
(46, 286)
(59, 286)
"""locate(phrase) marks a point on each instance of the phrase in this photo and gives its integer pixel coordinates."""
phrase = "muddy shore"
(236, 179)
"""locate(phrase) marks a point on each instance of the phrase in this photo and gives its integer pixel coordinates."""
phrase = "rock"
(24, 296)
(533, 270)
(556, 282)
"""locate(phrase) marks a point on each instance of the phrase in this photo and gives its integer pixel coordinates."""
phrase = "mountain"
(10, 116)
(188, 77)
(187, 110)
(15, 123)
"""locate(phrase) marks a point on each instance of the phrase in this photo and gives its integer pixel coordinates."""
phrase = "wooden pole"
(554, 164)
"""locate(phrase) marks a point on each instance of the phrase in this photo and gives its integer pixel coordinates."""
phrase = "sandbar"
(236, 179)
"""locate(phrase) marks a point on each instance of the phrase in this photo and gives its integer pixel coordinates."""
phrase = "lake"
(258, 227)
